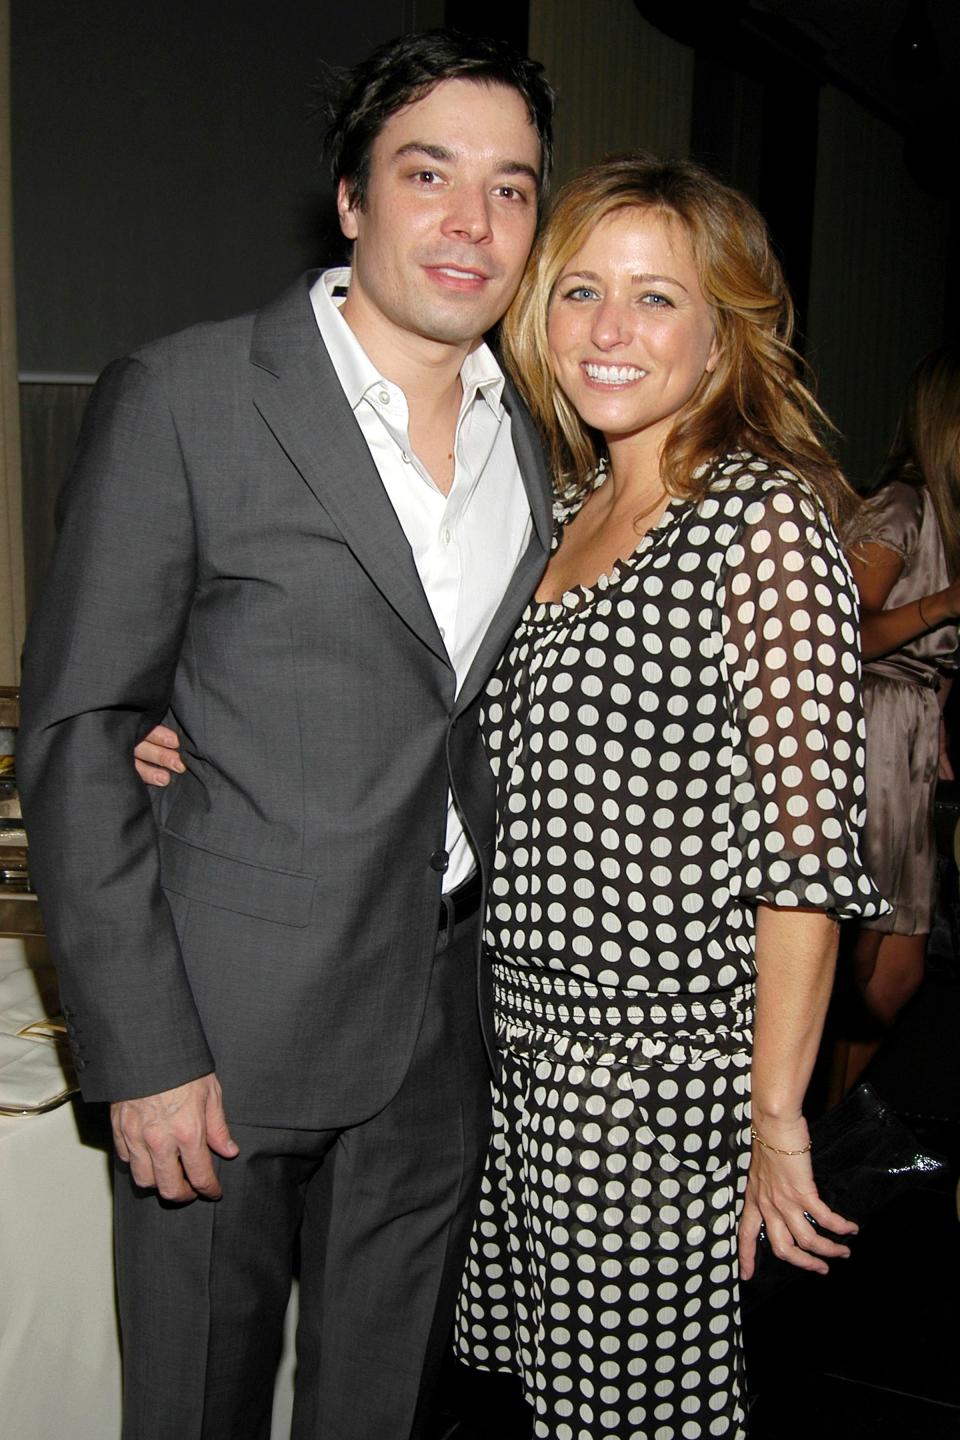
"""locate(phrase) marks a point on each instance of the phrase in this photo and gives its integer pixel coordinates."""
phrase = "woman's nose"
(610, 324)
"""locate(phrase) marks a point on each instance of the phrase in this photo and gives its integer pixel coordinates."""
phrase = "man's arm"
(99, 665)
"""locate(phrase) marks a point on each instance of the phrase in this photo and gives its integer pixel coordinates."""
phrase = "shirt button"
(384, 397)
(439, 860)
(446, 535)
(405, 457)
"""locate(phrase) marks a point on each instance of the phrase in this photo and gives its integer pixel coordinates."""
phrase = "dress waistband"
(920, 679)
(566, 1005)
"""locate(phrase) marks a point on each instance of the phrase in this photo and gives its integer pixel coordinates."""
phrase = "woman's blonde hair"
(926, 447)
(752, 401)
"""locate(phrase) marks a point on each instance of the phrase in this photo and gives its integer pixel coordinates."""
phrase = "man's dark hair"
(405, 70)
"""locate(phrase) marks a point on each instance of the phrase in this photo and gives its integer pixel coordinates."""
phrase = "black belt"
(459, 904)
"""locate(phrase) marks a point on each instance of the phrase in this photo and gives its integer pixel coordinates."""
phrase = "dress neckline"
(577, 596)
(734, 471)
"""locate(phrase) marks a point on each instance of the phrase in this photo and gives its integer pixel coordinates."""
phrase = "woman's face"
(629, 329)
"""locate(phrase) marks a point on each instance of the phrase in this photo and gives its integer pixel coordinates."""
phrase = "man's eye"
(511, 192)
(426, 176)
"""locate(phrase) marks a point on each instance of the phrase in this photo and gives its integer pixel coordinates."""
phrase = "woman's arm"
(876, 569)
(795, 957)
(157, 755)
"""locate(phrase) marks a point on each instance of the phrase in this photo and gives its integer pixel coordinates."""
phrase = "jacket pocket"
(281, 896)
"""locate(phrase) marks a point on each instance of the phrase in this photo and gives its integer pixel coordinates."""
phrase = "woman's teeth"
(614, 374)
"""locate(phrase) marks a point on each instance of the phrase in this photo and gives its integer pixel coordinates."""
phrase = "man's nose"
(469, 214)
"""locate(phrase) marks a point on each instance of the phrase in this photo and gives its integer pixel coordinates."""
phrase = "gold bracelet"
(775, 1149)
(923, 617)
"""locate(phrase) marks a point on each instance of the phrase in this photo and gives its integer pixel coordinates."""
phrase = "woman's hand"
(157, 755)
(782, 1196)
(796, 950)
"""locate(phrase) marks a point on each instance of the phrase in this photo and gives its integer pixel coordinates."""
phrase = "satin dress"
(903, 715)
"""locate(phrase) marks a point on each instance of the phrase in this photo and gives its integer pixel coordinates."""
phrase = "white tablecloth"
(59, 1356)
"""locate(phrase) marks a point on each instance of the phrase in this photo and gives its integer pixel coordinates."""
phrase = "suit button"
(439, 860)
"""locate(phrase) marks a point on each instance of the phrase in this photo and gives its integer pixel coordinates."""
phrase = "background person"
(905, 554)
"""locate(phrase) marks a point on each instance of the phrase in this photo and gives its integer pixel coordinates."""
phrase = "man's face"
(448, 221)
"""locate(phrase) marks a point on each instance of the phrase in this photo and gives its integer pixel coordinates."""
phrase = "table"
(59, 1361)
(59, 1354)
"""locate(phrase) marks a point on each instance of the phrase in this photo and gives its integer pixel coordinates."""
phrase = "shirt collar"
(479, 374)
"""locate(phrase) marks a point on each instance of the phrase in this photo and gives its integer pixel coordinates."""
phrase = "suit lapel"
(299, 397)
(536, 481)
(533, 465)
(297, 393)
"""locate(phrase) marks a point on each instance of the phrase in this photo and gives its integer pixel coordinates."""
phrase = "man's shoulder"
(216, 343)
(198, 342)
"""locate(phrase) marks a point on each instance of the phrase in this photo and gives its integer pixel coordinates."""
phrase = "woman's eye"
(658, 302)
(580, 292)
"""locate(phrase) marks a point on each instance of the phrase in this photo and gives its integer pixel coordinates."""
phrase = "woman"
(677, 739)
(676, 734)
(905, 553)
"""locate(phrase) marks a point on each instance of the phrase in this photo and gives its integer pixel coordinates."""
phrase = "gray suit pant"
(382, 1211)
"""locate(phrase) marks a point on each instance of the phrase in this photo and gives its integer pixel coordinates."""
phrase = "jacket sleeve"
(99, 663)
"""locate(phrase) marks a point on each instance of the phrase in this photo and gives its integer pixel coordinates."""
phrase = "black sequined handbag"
(863, 1156)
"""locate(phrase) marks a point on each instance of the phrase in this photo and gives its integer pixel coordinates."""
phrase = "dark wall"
(165, 167)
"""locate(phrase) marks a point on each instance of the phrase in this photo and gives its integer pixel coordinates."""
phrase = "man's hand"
(157, 754)
(166, 1139)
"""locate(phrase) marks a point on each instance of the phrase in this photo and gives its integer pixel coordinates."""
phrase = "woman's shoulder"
(747, 485)
(568, 501)
(891, 516)
(771, 519)
(896, 502)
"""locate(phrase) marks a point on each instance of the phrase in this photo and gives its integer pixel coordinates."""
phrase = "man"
(306, 534)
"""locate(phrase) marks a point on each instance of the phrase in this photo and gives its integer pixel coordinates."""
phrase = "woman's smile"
(601, 374)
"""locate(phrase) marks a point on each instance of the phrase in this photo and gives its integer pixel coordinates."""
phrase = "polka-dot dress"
(674, 744)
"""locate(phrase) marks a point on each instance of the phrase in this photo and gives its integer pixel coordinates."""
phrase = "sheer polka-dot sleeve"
(791, 654)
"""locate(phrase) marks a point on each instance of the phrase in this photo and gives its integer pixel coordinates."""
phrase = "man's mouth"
(612, 374)
(458, 277)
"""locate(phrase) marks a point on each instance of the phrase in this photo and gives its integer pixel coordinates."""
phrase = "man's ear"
(346, 209)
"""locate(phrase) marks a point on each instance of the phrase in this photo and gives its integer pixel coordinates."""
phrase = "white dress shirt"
(467, 543)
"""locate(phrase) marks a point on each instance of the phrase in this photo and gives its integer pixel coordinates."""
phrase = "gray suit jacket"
(228, 555)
